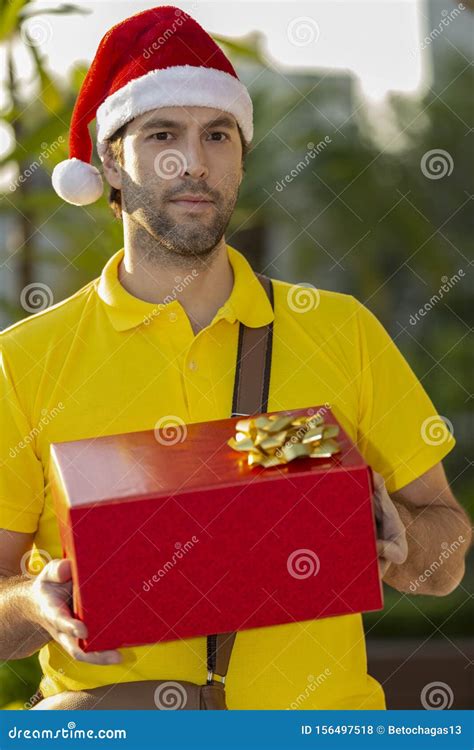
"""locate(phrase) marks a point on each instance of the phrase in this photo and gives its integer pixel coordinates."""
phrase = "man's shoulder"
(310, 301)
(55, 322)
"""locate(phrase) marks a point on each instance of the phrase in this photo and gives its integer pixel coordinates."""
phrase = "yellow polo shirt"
(103, 361)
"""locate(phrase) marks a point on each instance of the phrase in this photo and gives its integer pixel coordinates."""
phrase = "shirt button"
(172, 317)
(193, 364)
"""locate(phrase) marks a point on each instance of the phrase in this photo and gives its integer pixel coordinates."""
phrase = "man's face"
(175, 151)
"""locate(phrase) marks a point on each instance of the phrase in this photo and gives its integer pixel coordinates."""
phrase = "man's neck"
(201, 285)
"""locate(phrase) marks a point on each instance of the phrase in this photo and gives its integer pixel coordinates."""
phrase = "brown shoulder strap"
(251, 388)
(252, 372)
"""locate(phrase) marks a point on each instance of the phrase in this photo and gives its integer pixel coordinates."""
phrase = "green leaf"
(10, 17)
(50, 95)
(248, 47)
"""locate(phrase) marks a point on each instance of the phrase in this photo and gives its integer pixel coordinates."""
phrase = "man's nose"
(195, 162)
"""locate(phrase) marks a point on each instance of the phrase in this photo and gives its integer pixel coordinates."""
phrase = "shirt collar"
(248, 301)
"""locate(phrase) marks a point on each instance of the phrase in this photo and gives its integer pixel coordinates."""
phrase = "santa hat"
(157, 58)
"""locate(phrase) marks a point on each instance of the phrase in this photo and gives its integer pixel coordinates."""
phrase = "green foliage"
(19, 681)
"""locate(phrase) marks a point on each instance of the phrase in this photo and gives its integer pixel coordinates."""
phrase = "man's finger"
(94, 657)
(57, 571)
(393, 551)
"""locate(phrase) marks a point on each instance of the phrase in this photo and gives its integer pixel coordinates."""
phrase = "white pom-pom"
(77, 182)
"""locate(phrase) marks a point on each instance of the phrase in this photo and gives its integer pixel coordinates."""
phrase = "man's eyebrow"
(223, 121)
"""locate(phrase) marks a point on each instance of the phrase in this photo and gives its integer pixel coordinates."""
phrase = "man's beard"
(169, 234)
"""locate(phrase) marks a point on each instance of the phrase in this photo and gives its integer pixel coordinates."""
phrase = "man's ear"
(112, 170)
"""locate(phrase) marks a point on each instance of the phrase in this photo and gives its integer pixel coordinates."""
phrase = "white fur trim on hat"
(77, 182)
(180, 85)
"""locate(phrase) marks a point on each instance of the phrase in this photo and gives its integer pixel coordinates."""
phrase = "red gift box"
(172, 535)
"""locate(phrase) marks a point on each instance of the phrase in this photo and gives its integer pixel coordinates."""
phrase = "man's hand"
(392, 546)
(51, 593)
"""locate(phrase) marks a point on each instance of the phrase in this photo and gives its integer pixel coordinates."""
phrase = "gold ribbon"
(270, 441)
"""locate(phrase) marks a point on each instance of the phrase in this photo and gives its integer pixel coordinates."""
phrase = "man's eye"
(162, 133)
(218, 133)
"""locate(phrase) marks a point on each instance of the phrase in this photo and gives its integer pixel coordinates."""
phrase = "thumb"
(57, 571)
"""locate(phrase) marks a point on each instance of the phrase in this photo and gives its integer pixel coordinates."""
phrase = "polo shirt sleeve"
(400, 433)
(21, 472)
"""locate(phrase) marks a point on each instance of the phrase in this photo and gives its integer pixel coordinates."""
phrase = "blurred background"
(359, 181)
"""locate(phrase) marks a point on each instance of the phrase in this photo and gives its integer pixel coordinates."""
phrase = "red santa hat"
(160, 57)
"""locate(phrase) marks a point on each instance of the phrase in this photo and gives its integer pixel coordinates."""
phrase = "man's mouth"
(194, 204)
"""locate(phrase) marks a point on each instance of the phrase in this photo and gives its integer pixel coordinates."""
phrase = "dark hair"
(115, 143)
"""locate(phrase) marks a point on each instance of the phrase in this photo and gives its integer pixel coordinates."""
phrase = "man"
(155, 338)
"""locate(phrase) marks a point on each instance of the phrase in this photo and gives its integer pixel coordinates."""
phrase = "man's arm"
(438, 533)
(34, 611)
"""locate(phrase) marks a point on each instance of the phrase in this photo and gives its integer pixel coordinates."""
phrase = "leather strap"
(251, 389)
(252, 372)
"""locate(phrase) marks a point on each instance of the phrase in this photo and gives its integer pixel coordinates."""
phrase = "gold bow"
(275, 440)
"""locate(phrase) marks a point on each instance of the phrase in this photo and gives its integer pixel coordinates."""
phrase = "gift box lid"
(175, 459)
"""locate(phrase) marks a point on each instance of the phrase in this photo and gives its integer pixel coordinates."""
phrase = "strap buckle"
(214, 677)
